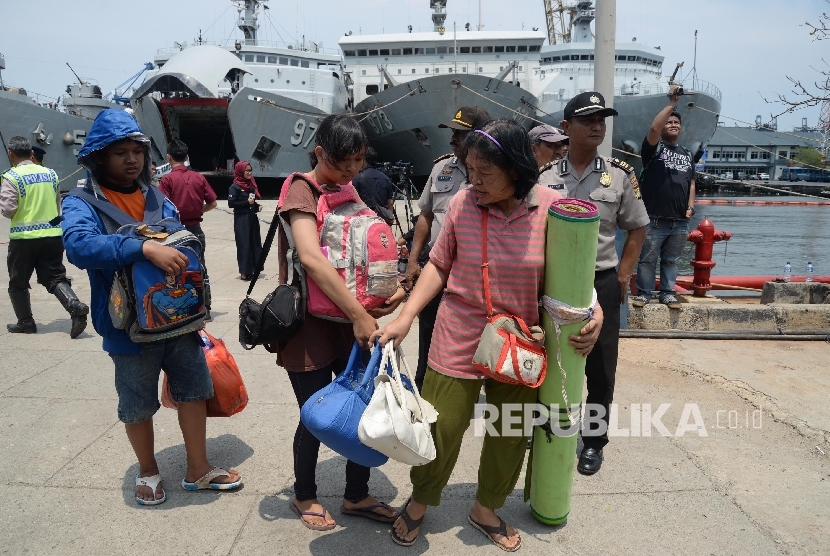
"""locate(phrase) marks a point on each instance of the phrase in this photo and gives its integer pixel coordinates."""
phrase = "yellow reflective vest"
(37, 205)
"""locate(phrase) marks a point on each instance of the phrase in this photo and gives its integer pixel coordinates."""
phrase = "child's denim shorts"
(137, 376)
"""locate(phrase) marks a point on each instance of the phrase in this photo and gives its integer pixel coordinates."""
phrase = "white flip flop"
(152, 483)
(205, 482)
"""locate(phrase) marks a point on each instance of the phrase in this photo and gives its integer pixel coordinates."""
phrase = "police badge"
(605, 179)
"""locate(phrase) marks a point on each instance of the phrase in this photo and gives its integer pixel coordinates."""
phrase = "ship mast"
(559, 30)
(439, 14)
(248, 18)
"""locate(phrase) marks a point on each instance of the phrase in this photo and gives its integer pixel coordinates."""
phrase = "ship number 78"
(299, 132)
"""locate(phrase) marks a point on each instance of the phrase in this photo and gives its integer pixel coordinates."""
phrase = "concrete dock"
(751, 477)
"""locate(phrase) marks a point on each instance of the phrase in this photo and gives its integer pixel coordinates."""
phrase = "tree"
(804, 96)
(809, 157)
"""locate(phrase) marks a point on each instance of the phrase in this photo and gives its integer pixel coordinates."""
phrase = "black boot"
(77, 310)
(23, 311)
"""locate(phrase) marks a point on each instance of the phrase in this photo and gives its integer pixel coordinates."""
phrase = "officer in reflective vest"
(29, 197)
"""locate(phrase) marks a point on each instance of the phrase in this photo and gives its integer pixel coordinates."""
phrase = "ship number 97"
(380, 122)
(300, 130)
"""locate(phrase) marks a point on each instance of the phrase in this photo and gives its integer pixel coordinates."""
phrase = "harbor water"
(764, 238)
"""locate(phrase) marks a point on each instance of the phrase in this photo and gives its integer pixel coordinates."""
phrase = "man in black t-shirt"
(668, 188)
(375, 188)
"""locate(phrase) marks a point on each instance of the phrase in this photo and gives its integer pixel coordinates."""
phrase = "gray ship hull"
(636, 112)
(402, 121)
(274, 133)
(60, 134)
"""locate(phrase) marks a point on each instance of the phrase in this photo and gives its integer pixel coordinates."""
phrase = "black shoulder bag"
(281, 314)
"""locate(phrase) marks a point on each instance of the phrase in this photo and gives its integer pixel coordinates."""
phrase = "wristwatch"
(691, 209)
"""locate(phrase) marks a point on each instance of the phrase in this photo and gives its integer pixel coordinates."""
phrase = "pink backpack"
(357, 242)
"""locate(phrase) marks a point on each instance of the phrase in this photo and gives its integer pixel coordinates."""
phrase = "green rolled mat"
(570, 258)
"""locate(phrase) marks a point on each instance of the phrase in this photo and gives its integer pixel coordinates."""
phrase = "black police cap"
(39, 151)
(587, 103)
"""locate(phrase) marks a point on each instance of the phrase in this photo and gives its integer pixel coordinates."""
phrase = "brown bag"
(509, 350)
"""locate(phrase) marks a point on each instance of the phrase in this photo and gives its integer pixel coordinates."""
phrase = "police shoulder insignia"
(546, 167)
(636, 186)
(624, 166)
(442, 157)
(446, 171)
(563, 167)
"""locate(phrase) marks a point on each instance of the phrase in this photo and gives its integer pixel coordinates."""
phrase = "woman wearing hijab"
(242, 196)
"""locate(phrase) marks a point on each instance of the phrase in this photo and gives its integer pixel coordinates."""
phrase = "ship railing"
(299, 47)
(641, 89)
(36, 98)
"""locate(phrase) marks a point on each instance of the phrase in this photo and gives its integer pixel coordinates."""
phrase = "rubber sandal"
(368, 512)
(205, 482)
(411, 525)
(490, 530)
(311, 526)
(152, 483)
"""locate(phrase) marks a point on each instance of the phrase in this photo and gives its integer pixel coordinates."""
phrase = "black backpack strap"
(293, 259)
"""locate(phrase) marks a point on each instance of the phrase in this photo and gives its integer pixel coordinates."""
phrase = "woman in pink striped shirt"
(503, 181)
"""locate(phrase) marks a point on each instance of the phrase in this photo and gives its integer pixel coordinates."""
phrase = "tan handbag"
(509, 350)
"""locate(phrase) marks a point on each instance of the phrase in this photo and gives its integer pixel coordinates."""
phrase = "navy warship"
(566, 68)
(250, 100)
(406, 84)
(58, 125)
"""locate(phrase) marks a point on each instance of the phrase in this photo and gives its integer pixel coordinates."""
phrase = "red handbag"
(509, 350)
(229, 393)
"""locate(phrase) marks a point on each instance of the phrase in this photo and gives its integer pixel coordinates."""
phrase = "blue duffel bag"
(333, 413)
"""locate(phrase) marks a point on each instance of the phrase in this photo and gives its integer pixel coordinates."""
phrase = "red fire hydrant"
(704, 237)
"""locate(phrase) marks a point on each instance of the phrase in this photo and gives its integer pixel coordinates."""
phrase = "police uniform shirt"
(612, 186)
(448, 177)
(546, 177)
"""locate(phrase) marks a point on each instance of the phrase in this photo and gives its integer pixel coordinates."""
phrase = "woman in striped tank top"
(503, 177)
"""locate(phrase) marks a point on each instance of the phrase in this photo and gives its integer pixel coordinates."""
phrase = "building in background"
(751, 151)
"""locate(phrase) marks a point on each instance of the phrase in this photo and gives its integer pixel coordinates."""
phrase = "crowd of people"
(497, 183)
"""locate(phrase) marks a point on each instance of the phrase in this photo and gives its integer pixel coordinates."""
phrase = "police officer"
(37, 154)
(612, 186)
(29, 197)
(549, 146)
(448, 177)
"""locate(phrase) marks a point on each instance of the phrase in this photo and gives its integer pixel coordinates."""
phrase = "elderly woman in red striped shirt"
(503, 177)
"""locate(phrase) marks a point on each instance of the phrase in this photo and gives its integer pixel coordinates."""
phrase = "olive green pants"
(501, 455)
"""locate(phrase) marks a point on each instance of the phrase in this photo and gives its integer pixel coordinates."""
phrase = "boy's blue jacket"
(88, 246)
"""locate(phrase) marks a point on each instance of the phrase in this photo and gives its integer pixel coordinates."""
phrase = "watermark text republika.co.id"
(643, 420)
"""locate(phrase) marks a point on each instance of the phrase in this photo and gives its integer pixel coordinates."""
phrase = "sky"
(747, 48)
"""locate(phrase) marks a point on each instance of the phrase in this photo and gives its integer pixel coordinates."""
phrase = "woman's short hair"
(514, 154)
(341, 136)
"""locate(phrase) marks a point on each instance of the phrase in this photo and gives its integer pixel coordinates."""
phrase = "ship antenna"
(694, 64)
(81, 81)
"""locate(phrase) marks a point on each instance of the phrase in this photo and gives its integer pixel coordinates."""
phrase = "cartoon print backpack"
(145, 301)
(358, 243)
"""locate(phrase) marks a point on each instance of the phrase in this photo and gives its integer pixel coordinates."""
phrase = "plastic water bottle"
(788, 271)
(808, 277)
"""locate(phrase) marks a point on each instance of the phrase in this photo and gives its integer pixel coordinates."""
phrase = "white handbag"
(397, 422)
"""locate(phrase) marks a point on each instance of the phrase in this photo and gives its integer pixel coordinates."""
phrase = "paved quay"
(757, 483)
